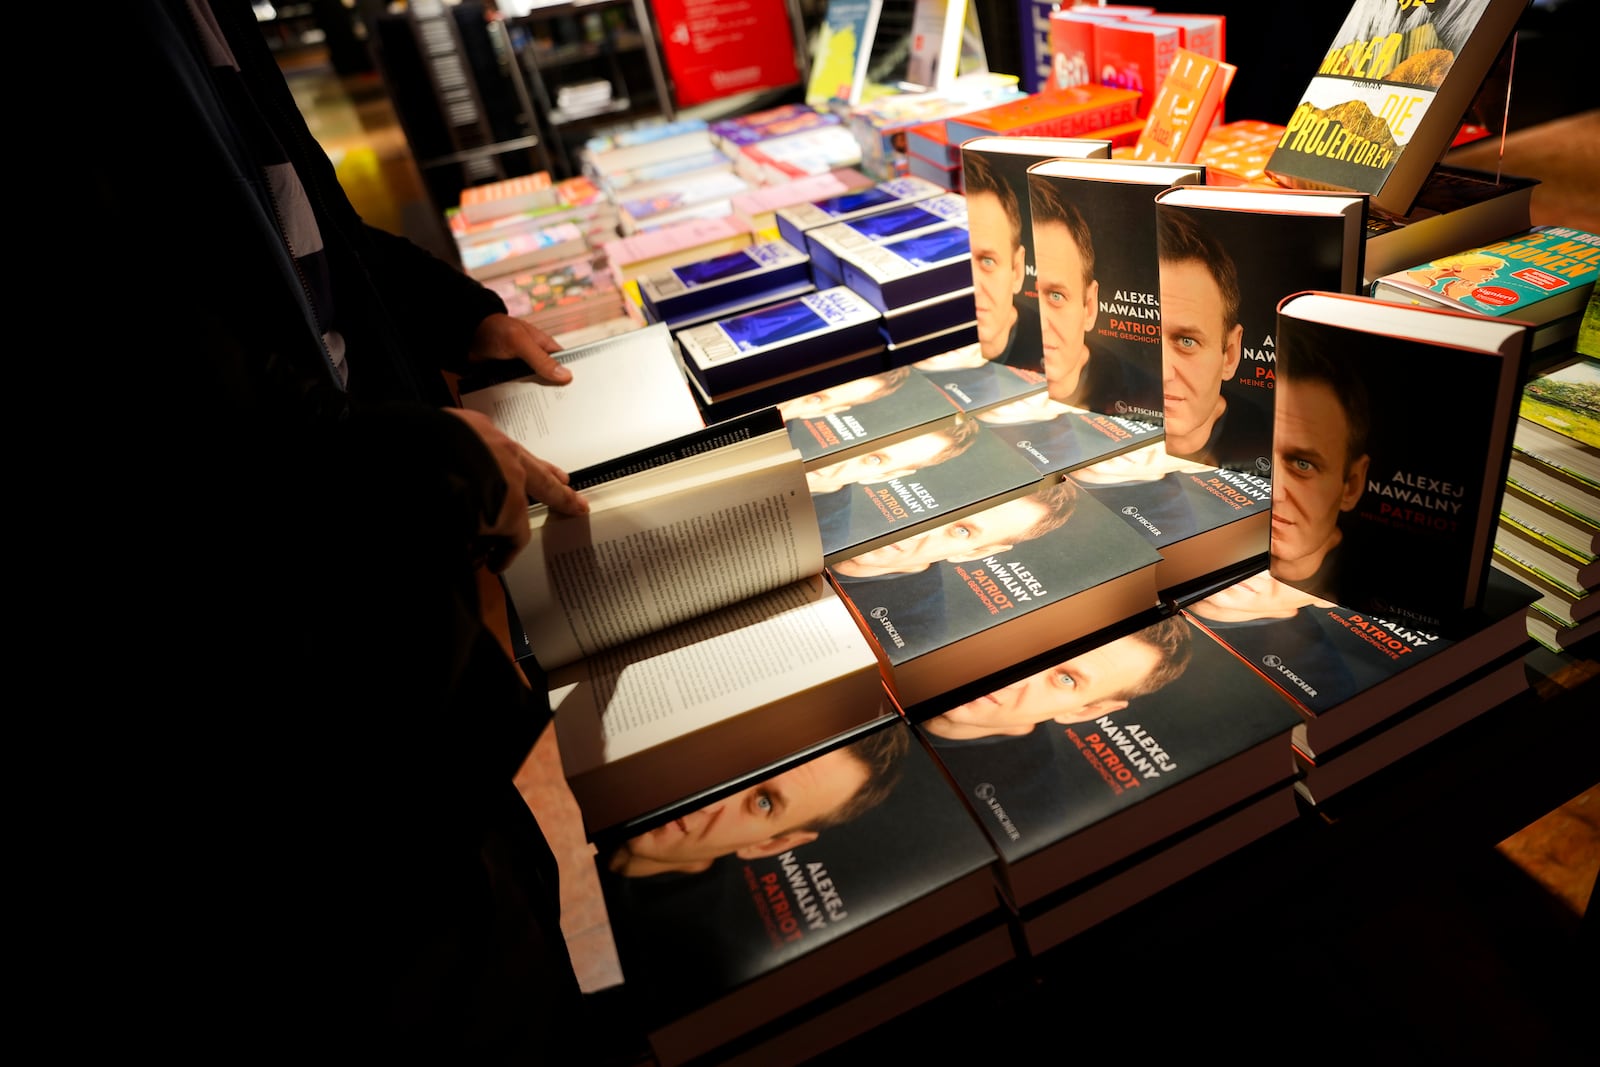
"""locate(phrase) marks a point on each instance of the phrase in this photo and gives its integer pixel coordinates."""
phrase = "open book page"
(663, 546)
(593, 418)
(760, 651)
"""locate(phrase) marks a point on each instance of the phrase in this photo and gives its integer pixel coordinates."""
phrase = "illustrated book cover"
(827, 326)
(1081, 111)
(1186, 106)
(1202, 520)
(1348, 670)
(1381, 503)
(1099, 285)
(493, 200)
(840, 51)
(975, 382)
(951, 606)
(1118, 745)
(1389, 96)
(1457, 208)
(816, 884)
(1228, 256)
(1055, 437)
(897, 489)
(1542, 275)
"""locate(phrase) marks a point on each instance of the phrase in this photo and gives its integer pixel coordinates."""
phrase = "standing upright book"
(843, 46)
(1006, 296)
(1382, 502)
(1094, 229)
(1228, 256)
(1346, 671)
(1185, 107)
(1389, 96)
(1201, 519)
(1116, 746)
(856, 878)
(901, 488)
(949, 607)
(1542, 275)
(1135, 55)
(685, 626)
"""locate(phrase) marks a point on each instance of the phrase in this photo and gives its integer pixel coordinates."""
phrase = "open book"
(684, 624)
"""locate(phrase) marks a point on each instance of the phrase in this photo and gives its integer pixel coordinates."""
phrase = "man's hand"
(527, 477)
(506, 337)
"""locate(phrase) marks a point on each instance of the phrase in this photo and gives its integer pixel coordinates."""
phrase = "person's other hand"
(505, 337)
(527, 477)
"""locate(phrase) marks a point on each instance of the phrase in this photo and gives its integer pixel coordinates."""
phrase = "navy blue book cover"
(826, 243)
(910, 269)
(766, 266)
(783, 338)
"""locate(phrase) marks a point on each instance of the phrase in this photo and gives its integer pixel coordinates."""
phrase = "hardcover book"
(1055, 437)
(1545, 518)
(1542, 275)
(938, 314)
(1081, 111)
(1116, 746)
(1071, 36)
(710, 556)
(826, 243)
(716, 946)
(1382, 504)
(1094, 226)
(762, 267)
(930, 141)
(911, 269)
(949, 607)
(974, 382)
(1134, 55)
(1571, 567)
(1202, 520)
(793, 221)
(1558, 423)
(1228, 257)
(827, 326)
(589, 420)
(897, 489)
(1346, 670)
(1389, 96)
(863, 414)
(1004, 259)
(729, 308)
(1204, 35)
(909, 353)
(1185, 107)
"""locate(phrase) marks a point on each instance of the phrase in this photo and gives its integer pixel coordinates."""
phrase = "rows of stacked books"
(963, 568)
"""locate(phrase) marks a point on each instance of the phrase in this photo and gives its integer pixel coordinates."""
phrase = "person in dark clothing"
(332, 851)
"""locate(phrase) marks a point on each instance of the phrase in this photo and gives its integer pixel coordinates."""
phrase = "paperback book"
(697, 195)
(911, 269)
(1389, 96)
(718, 951)
(1457, 208)
(493, 200)
(1347, 670)
(1558, 428)
(797, 155)
(974, 382)
(1118, 745)
(826, 244)
(840, 52)
(684, 242)
(951, 606)
(1101, 325)
(1080, 111)
(1055, 437)
(1542, 275)
(897, 489)
(1202, 520)
(938, 314)
(909, 353)
(758, 207)
(1135, 55)
(1228, 257)
(1384, 504)
(824, 327)
(521, 250)
(1187, 104)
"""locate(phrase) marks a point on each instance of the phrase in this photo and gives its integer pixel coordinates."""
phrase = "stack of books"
(1550, 515)
(561, 296)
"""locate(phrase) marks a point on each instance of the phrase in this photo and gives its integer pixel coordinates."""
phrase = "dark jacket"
(335, 853)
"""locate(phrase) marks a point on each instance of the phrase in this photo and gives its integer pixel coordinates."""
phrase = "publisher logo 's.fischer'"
(881, 616)
(1278, 665)
(984, 791)
(1133, 513)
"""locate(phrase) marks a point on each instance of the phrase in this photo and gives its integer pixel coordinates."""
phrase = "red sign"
(717, 48)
